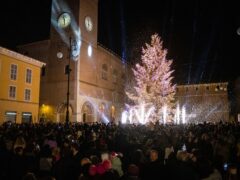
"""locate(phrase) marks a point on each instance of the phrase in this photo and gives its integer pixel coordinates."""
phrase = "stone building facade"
(204, 102)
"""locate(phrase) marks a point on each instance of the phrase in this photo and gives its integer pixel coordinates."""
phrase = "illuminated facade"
(20, 86)
(204, 102)
(97, 74)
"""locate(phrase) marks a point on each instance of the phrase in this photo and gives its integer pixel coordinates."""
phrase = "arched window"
(104, 71)
(61, 112)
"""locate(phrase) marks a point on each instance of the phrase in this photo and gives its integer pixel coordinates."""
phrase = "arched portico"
(61, 112)
(87, 112)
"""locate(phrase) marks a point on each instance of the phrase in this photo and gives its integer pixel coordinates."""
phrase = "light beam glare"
(57, 8)
(178, 115)
(164, 114)
(131, 115)
(183, 115)
(142, 114)
(104, 118)
(138, 114)
(149, 113)
(124, 117)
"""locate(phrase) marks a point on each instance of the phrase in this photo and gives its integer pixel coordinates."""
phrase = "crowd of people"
(119, 152)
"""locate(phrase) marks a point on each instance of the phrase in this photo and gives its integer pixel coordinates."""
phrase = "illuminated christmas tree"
(153, 78)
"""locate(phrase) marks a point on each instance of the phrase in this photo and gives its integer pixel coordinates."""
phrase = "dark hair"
(75, 145)
(18, 149)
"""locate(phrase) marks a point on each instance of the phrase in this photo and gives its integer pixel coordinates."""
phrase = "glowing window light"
(89, 50)
(183, 115)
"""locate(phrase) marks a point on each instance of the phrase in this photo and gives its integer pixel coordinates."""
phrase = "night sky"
(200, 35)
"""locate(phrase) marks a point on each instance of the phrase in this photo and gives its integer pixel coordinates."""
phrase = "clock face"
(64, 20)
(88, 23)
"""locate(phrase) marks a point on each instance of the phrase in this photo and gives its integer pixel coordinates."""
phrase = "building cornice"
(35, 43)
(204, 84)
(21, 57)
(110, 52)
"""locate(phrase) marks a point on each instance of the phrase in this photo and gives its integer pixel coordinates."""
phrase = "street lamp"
(67, 72)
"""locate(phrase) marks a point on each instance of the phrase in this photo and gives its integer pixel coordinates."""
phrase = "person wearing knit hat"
(117, 165)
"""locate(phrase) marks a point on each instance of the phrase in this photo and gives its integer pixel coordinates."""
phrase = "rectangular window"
(12, 92)
(10, 116)
(26, 117)
(13, 74)
(27, 94)
(29, 76)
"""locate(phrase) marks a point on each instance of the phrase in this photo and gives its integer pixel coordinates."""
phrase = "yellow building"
(19, 87)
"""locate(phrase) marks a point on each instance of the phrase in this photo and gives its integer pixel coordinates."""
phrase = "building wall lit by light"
(46, 112)
(204, 102)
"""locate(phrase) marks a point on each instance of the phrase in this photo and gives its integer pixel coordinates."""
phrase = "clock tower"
(88, 21)
(75, 18)
(81, 79)
(73, 29)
